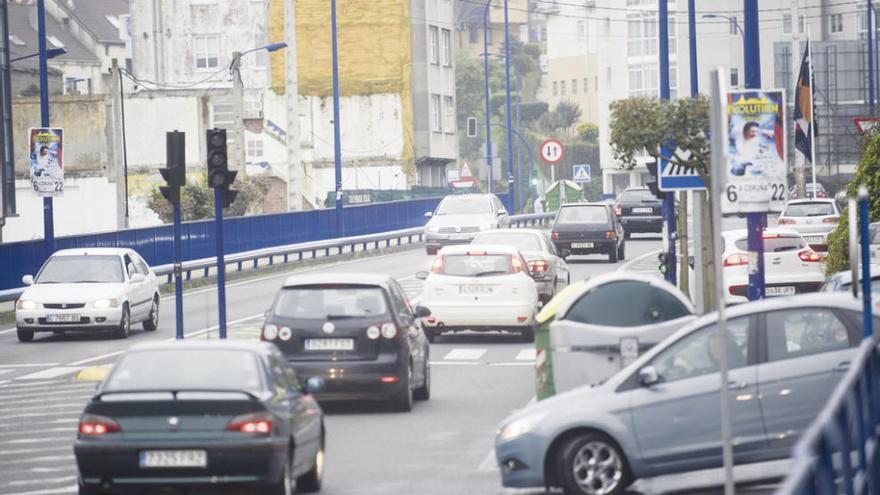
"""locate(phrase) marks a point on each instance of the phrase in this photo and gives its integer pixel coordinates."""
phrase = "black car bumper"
(603, 246)
(116, 464)
(355, 380)
(642, 224)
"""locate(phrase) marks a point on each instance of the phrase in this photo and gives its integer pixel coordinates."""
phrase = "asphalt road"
(443, 447)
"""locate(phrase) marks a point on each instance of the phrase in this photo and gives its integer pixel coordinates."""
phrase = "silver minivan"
(661, 414)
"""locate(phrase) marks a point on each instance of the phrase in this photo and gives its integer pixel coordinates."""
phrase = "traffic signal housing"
(665, 262)
(174, 172)
(653, 185)
(471, 127)
(219, 175)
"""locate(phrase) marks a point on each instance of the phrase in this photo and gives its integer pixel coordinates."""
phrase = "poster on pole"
(755, 172)
(45, 161)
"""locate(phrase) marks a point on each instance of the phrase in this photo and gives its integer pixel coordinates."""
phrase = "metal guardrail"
(297, 252)
(838, 454)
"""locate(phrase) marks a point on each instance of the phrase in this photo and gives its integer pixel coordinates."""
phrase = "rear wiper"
(338, 317)
(492, 272)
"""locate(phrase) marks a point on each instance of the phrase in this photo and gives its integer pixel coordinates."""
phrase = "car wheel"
(431, 335)
(424, 392)
(612, 256)
(402, 401)
(311, 481)
(431, 250)
(152, 321)
(283, 486)
(527, 335)
(124, 324)
(25, 335)
(621, 253)
(88, 490)
(592, 464)
(627, 234)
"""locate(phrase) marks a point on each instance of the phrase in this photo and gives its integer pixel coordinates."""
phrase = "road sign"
(673, 177)
(552, 151)
(866, 124)
(581, 173)
(466, 171)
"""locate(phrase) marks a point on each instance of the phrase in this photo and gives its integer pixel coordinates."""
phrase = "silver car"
(814, 219)
(546, 265)
(661, 414)
(458, 219)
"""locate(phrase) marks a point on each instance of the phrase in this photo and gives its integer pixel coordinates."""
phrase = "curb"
(93, 374)
(626, 266)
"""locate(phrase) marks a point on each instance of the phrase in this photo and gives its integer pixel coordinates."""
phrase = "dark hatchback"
(639, 211)
(356, 333)
(588, 228)
(201, 415)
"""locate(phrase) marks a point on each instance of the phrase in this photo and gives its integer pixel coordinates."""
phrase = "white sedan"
(89, 289)
(790, 265)
(812, 218)
(479, 288)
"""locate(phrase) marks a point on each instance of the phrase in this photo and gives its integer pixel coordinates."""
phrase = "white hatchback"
(89, 289)
(479, 288)
(790, 265)
(812, 218)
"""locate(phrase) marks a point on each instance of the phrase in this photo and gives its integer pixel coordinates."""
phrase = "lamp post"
(48, 215)
(238, 101)
(337, 146)
(488, 105)
(668, 207)
(511, 197)
(50, 53)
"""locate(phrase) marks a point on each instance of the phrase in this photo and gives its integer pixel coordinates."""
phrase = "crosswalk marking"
(465, 354)
(526, 355)
(51, 373)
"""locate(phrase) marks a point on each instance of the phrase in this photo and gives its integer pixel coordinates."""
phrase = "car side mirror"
(648, 376)
(500, 213)
(422, 275)
(267, 313)
(137, 278)
(27, 280)
(565, 253)
(314, 385)
(429, 214)
(422, 312)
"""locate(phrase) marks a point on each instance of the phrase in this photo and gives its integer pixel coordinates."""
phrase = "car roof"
(489, 248)
(94, 250)
(478, 196)
(208, 345)
(571, 205)
(344, 278)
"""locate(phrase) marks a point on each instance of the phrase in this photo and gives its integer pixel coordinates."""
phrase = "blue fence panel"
(198, 238)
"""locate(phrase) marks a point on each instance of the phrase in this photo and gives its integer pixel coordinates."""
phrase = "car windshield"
(775, 244)
(815, 209)
(582, 214)
(170, 369)
(463, 206)
(330, 301)
(637, 195)
(482, 265)
(522, 242)
(82, 269)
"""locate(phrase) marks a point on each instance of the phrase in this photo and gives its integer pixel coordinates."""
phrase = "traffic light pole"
(755, 221)
(175, 177)
(221, 263)
(178, 276)
(669, 198)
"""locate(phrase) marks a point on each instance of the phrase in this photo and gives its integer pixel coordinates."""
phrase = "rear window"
(817, 209)
(582, 214)
(175, 370)
(522, 242)
(626, 304)
(329, 302)
(637, 195)
(775, 244)
(464, 265)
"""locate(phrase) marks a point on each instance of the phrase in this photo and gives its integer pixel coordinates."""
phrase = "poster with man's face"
(756, 178)
(45, 157)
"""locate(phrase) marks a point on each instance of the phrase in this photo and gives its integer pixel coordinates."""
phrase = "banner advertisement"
(46, 164)
(756, 180)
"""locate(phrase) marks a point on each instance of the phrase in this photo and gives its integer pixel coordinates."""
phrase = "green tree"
(197, 199)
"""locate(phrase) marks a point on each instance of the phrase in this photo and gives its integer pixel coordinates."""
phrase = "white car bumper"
(473, 315)
(85, 318)
(736, 288)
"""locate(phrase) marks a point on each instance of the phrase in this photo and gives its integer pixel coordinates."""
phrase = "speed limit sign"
(552, 151)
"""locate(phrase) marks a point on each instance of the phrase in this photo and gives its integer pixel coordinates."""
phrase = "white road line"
(8, 370)
(3, 382)
(515, 363)
(50, 373)
(62, 479)
(44, 450)
(54, 491)
(29, 365)
(49, 469)
(8, 330)
(37, 440)
(456, 363)
(527, 355)
(489, 464)
(464, 354)
(96, 358)
(49, 396)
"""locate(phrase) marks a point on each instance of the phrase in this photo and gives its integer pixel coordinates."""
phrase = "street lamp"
(238, 99)
(50, 53)
(488, 104)
(732, 20)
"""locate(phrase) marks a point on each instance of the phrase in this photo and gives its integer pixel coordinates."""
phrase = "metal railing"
(305, 250)
(838, 454)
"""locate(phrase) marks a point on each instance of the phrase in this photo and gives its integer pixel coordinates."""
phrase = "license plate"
(814, 238)
(474, 289)
(174, 459)
(67, 318)
(780, 291)
(643, 210)
(581, 245)
(329, 344)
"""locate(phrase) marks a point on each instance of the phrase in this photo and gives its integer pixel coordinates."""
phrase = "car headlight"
(25, 304)
(105, 303)
(433, 230)
(520, 426)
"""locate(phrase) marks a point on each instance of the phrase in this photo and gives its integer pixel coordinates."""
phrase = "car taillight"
(389, 330)
(270, 332)
(809, 255)
(259, 424)
(618, 210)
(539, 266)
(737, 259)
(93, 425)
(831, 220)
(373, 332)
(554, 235)
(516, 264)
(610, 234)
(437, 266)
(785, 221)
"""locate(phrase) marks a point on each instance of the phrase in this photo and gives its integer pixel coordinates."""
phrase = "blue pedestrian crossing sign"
(580, 173)
(674, 177)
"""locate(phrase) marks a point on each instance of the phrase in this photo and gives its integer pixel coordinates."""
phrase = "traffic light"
(174, 172)
(471, 127)
(219, 175)
(653, 185)
(665, 262)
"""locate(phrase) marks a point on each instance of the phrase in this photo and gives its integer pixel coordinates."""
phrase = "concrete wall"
(148, 116)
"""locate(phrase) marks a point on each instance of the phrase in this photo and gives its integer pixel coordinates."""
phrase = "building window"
(433, 45)
(254, 149)
(207, 49)
(562, 88)
(574, 86)
(473, 35)
(644, 79)
(449, 114)
(734, 77)
(555, 88)
(786, 24)
(802, 28)
(734, 26)
(70, 85)
(837, 23)
(446, 47)
(582, 30)
(586, 86)
(436, 125)
(261, 57)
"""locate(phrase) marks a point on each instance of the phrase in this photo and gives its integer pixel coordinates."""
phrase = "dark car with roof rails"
(357, 333)
(588, 228)
(639, 211)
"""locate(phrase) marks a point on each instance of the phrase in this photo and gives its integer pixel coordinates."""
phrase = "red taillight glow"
(476, 253)
(618, 210)
(771, 236)
(554, 235)
(437, 266)
(831, 220)
(257, 424)
(738, 259)
(94, 425)
(388, 379)
(521, 319)
(784, 221)
(516, 264)
(809, 256)
(539, 266)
